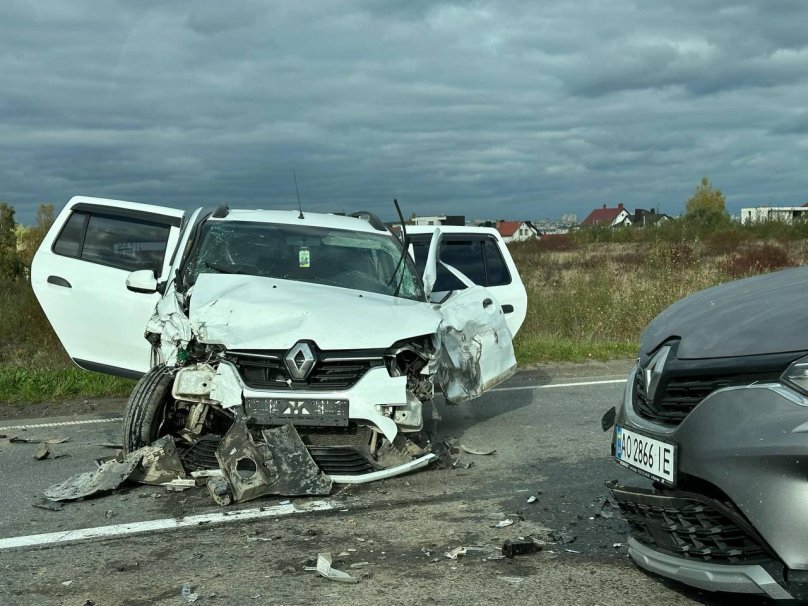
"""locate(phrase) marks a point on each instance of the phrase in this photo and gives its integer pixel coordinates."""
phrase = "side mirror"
(142, 280)
(431, 267)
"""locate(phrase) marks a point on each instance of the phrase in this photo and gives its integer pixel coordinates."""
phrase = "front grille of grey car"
(677, 396)
(689, 525)
(267, 370)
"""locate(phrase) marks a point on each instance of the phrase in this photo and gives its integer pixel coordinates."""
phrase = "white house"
(786, 214)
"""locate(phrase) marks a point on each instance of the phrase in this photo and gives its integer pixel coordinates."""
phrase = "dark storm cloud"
(489, 109)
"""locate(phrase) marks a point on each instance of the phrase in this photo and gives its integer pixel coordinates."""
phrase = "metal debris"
(42, 452)
(532, 499)
(474, 451)
(324, 569)
(219, 490)
(19, 440)
(503, 523)
(520, 546)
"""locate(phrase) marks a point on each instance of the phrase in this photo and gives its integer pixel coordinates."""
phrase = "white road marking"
(63, 423)
(117, 530)
(554, 385)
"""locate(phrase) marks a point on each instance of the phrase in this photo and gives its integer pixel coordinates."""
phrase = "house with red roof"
(517, 231)
(610, 217)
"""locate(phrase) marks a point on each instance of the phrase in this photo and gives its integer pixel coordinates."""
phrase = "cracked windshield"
(320, 255)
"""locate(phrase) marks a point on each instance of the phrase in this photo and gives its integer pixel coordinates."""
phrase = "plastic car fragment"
(160, 463)
(109, 475)
(247, 472)
(324, 569)
(298, 474)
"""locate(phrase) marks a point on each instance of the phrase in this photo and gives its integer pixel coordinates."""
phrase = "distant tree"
(10, 266)
(706, 206)
(30, 238)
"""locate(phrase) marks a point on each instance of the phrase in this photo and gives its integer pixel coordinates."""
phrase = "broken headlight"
(796, 375)
(407, 358)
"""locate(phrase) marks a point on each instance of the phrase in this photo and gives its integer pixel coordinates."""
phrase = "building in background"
(786, 214)
(609, 217)
(439, 220)
(517, 231)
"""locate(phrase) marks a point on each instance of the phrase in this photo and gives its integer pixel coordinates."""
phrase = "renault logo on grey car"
(300, 360)
(653, 373)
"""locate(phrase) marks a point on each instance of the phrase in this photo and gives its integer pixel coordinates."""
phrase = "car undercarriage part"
(279, 465)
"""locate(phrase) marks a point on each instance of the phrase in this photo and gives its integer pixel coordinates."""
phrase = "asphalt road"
(544, 426)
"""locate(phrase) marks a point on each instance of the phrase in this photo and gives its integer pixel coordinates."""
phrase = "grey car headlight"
(796, 375)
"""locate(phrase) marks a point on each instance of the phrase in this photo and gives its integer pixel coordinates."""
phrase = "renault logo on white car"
(300, 360)
(653, 372)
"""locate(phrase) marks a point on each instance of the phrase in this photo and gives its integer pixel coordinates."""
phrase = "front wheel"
(146, 409)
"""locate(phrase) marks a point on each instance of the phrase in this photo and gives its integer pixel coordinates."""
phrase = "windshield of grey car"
(320, 255)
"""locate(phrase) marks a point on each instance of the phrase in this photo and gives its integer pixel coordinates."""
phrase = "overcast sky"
(489, 109)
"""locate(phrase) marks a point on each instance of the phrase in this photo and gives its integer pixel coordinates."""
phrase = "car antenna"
(299, 205)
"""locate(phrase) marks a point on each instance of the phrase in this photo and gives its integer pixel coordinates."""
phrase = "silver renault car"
(716, 415)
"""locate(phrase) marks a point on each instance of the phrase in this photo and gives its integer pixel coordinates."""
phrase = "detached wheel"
(145, 411)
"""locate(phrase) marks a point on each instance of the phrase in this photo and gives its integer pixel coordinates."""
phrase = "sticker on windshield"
(304, 257)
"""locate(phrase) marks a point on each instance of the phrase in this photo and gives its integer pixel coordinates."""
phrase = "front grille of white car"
(333, 371)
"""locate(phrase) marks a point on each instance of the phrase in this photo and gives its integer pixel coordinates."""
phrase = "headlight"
(796, 375)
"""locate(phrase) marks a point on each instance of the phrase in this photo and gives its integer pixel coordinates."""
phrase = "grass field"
(588, 299)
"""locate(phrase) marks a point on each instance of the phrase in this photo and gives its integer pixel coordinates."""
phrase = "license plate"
(298, 411)
(647, 456)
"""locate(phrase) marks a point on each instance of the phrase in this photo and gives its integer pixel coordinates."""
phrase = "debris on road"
(180, 484)
(503, 523)
(108, 476)
(563, 536)
(48, 505)
(189, 595)
(59, 440)
(520, 546)
(19, 440)
(474, 451)
(219, 491)
(324, 569)
(464, 550)
(532, 499)
(42, 452)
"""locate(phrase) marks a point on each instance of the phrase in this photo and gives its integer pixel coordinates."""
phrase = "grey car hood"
(251, 312)
(759, 315)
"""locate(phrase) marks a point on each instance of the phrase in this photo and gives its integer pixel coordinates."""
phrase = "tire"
(143, 412)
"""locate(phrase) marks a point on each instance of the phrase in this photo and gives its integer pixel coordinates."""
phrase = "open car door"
(476, 345)
(79, 275)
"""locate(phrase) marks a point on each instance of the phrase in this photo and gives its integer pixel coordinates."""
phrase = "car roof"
(451, 229)
(292, 217)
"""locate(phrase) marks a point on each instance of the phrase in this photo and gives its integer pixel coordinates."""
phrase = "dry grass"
(595, 301)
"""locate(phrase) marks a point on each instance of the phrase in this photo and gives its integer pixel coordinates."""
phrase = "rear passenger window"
(497, 273)
(478, 258)
(68, 243)
(122, 242)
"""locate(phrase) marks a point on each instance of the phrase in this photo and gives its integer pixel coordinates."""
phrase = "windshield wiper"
(220, 269)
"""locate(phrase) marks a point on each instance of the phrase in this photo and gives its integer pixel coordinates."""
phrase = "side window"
(497, 273)
(123, 242)
(478, 258)
(465, 256)
(68, 243)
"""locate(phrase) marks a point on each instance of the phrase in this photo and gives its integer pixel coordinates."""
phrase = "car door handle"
(507, 309)
(59, 281)
(487, 302)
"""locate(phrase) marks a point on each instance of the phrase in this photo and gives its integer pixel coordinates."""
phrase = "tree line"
(18, 243)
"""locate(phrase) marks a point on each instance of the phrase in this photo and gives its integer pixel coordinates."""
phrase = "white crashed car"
(279, 317)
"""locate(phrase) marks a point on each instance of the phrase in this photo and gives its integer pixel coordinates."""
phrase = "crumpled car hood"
(251, 312)
(759, 315)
